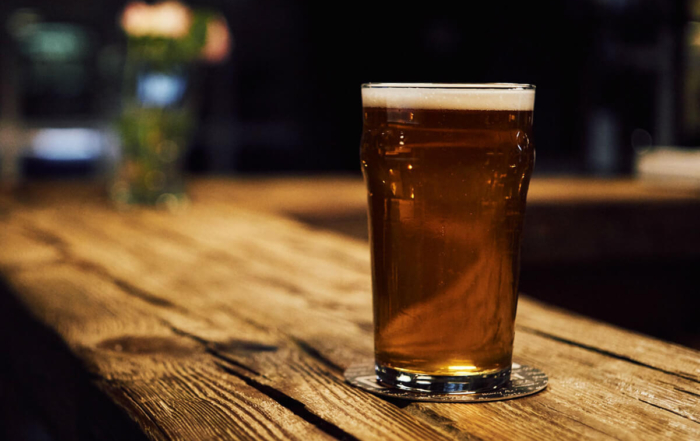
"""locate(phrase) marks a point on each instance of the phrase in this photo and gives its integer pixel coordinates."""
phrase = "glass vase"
(155, 127)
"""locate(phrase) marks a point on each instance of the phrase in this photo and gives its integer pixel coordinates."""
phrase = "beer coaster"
(524, 380)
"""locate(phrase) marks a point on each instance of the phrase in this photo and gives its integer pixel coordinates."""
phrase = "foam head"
(499, 96)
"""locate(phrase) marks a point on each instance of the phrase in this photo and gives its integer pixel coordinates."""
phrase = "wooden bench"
(230, 320)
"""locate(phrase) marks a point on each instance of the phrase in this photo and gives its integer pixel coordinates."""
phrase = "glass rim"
(451, 86)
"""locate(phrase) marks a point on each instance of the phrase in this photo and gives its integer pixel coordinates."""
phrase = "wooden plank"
(220, 272)
(614, 219)
(166, 382)
(177, 399)
(342, 193)
(24, 251)
(333, 194)
(585, 190)
(579, 331)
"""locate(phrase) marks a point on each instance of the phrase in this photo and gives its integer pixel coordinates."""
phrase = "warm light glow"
(694, 33)
(168, 19)
(462, 368)
(218, 44)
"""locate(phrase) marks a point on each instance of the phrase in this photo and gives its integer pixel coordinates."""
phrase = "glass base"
(442, 384)
(524, 380)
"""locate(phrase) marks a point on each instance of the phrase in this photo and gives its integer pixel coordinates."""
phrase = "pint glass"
(447, 168)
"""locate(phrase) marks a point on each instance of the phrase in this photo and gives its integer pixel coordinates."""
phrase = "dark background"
(288, 98)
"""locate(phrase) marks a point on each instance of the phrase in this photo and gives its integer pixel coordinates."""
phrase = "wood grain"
(164, 380)
(228, 323)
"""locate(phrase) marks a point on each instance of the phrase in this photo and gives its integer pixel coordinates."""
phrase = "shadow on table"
(45, 394)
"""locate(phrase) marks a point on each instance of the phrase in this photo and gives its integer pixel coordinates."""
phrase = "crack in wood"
(669, 410)
(687, 392)
(143, 295)
(223, 360)
(400, 403)
(605, 352)
(125, 286)
(296, 407)
(67, 257)
(430, 416)
(243, 345)
(316, 355)
(238, 364)
(184, 333)
(47, 238)
(212, 349)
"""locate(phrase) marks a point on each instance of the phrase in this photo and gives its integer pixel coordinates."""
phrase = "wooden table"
(232, 321)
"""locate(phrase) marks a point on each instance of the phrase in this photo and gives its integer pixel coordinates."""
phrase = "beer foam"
(498, 96)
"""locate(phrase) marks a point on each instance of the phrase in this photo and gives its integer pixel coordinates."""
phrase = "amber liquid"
(446, 191)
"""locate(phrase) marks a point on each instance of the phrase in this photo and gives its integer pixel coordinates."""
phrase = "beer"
(447, 170)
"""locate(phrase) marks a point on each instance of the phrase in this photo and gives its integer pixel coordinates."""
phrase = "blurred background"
(613, 76)
(618, 96)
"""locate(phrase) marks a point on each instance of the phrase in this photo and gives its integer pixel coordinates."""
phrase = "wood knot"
(147, 345)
